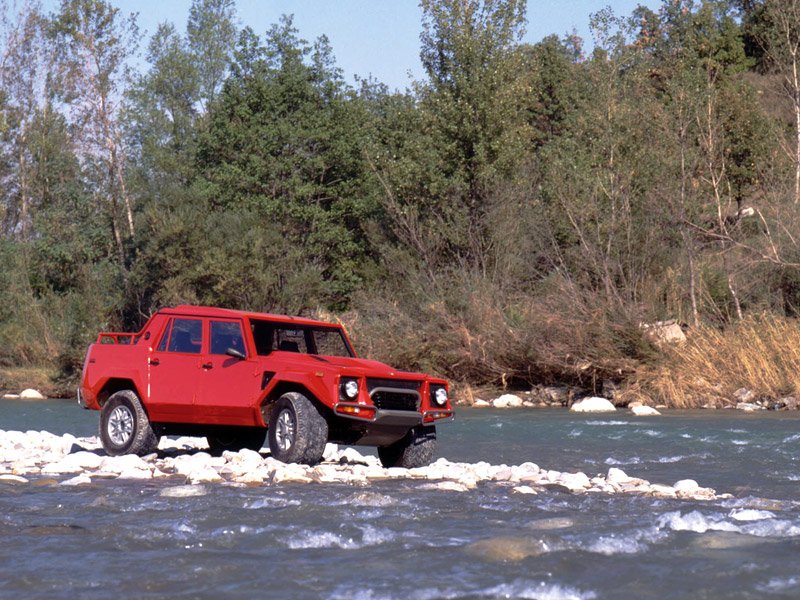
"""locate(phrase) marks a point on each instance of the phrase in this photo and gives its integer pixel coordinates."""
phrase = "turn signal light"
(356, 410)
(433, 415)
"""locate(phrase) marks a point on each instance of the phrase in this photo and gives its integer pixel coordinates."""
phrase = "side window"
(224, 335)
(162, 345)
(262, 336)
(186, 336)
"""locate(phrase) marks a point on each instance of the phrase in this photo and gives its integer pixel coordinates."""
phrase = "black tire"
(124, 426)
(297, 430)
(414, 450)
(237, 438)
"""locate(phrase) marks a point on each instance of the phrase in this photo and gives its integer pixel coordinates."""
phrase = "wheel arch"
(114, 385)
(284, 387)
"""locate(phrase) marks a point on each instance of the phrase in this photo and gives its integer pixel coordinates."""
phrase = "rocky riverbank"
(42, 458)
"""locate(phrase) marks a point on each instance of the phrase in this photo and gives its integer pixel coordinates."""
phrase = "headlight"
(440, 396)
(350, 388)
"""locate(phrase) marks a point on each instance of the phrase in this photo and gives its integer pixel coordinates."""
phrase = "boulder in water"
(593, 405)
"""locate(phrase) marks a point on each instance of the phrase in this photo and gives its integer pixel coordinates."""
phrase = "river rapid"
(398, 539)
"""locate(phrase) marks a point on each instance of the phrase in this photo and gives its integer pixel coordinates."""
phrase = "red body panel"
(184, 380)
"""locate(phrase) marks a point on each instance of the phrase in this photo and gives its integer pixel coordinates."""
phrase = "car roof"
(227, 313)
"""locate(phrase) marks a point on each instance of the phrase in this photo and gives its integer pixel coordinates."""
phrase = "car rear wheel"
(237, 438)
(414, 450)
(124, 426)
(297, 430)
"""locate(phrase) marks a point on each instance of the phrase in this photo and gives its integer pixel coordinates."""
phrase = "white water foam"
(524, 590)
(778, 585)
(792, 438)
(694, 521)
(271, 502)
(321, 539)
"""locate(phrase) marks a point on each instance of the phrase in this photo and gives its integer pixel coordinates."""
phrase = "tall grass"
(760, 353)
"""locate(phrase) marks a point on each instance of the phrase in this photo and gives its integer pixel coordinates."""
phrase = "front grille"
(373, 383)
(395, 400)
(394, 394)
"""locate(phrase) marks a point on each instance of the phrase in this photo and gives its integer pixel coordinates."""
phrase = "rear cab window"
(270, 336)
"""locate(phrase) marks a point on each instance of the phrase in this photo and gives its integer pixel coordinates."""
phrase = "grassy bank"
(760, 354)
(45, 379)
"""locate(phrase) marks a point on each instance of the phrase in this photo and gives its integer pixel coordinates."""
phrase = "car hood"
(356, 367)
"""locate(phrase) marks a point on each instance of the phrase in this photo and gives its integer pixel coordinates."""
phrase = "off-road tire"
(237, 438)
(124, 426)
(414, 450)
(297, 430)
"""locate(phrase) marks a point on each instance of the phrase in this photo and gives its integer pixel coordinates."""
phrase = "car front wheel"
(297, 430)
(414, 450)
(124, 426)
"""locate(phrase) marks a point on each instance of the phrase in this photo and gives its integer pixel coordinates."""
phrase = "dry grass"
(761, 353)
(16, 379)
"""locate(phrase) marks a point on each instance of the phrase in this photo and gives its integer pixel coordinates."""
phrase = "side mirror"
(235, 353)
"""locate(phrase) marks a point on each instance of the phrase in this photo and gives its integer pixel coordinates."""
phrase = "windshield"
(270, 336)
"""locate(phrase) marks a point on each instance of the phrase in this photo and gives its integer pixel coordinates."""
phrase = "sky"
(373, 37)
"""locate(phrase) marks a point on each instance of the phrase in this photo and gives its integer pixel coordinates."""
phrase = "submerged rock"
(506, 548)
(593, 405)
(644, 411)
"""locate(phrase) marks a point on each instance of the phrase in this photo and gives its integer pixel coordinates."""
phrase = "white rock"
(686, 488)
(644, 411)
(617, 476)
(748, 407)
(751, 514)
(575, 481)
(593, 405)
(524, 489)
(480, 403)
(663, 491)
(126, 462)
(204, 475)
(61, 467)
(507, 401)
(183, 491)
(7, 478)
(331, 453)
(10, 396)
(134, 473)
(445, 486)
(81, 479)
(31, 394)
(84, 460)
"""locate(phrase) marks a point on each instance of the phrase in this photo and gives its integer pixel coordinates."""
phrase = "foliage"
(511, 219)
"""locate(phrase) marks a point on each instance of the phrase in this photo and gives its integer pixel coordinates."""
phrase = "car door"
(228, 386)
(174, 367)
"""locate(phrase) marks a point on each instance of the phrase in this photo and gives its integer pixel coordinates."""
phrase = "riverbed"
(398, 539)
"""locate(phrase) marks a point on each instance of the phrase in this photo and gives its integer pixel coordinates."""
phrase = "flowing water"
(159, 539)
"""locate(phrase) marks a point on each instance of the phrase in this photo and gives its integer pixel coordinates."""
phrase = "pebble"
(77, 461)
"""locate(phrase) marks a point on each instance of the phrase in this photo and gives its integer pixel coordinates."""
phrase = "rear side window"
(186, 336)
(224, 335)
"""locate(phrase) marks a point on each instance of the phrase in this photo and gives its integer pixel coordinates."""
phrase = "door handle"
(155, 362)
(208, 365)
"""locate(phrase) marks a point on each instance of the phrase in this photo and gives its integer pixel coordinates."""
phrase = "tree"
(94, 42)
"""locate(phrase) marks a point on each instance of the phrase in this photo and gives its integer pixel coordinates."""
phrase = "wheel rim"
(120, 425)
(285, 430)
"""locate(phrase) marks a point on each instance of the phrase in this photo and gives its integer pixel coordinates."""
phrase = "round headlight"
(440, 396)
(351, 389)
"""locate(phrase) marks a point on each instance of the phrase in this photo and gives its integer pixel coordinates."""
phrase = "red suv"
(237, 377)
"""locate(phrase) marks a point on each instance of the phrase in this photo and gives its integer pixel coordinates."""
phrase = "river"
(393, 540)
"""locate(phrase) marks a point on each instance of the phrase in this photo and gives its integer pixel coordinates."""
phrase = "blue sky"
(373, 37)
